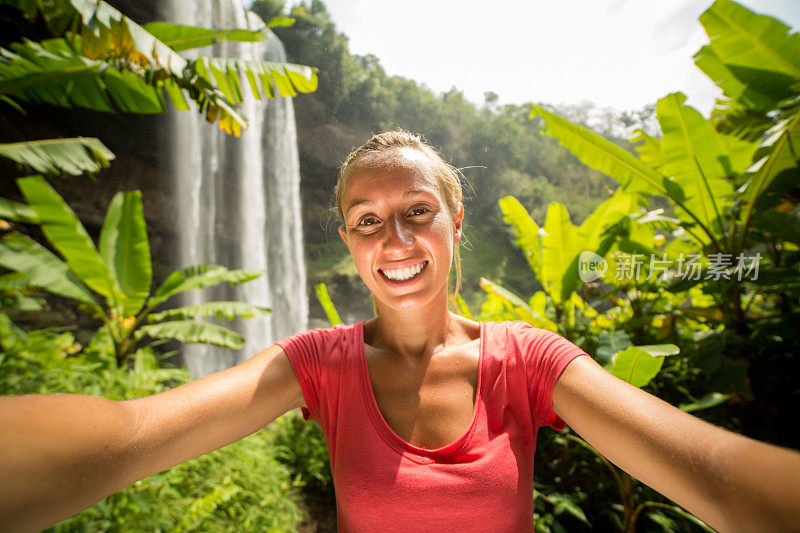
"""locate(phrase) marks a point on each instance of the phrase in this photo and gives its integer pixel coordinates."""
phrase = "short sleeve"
(546, 355)
(303, 350)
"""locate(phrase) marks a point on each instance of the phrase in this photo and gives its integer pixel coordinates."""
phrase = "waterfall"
(238, 200)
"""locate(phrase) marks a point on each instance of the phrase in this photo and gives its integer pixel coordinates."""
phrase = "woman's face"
(399, 231)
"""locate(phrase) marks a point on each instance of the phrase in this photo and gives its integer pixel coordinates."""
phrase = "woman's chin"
(410, 301)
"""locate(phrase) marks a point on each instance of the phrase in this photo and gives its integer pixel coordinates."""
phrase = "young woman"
(430, 418)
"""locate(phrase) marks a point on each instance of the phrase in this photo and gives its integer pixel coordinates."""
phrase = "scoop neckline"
(385, 430)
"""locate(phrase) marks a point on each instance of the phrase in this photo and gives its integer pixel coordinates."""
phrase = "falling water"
(239, 200)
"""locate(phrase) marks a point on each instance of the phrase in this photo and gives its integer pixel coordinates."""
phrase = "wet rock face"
(140, 11)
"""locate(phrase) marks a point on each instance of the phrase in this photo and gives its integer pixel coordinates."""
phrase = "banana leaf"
(695, 157)
(104, 61)
(219, 310)
(181, 37)
(267, 77)
(752, 58)
(559, 254)
(636, 366)
(42, 268)
(57, 156)
(779, 159)
(510, 301)
(648, 148)
(712, 399)
(55, 72)
(18, 212)
(190, 331)
(603, 155)
(198, 277)
(610, 212)
(125, 248)
(526, 231)
(68, 236)
(278, 22)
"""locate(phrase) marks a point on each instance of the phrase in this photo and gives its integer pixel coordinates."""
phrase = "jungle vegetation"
(706, 206)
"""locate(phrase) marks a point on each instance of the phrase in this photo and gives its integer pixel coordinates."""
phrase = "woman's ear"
(343, 235)
(457, 222)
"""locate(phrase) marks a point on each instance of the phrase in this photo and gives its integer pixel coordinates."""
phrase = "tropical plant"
(97, 58)
(726, 178)
(554, 251)
(731, 182)
(327, 304)
(119, 271)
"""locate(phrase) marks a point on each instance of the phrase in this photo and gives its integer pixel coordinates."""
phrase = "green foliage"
(219, 310)
(17, 212)
(125, 248)
(181, 37)
(731, 182)
(712, 399)
(42, 268)
(200, 277)
(57, 156)
(100, 59)
(300, 445)
(327, 304)
(698, 163)
(120, 272)
(756, 57)
(636, 365)
(190, 331)
(554, 250)
(66, 233)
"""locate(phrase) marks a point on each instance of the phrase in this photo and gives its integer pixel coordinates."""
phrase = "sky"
(615, 53)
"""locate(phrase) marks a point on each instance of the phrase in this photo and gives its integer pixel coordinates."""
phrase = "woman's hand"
(60, 454)
(729, 481)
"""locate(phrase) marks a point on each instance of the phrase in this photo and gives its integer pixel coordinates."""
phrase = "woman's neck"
(413, 333)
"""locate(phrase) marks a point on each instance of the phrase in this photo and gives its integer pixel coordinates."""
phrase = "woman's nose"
(398, 234)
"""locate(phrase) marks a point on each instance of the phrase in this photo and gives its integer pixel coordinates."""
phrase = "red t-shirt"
(481, 482)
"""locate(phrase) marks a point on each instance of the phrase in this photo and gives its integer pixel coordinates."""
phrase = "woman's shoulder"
(520, 337)
(514, 328)
(325, 338)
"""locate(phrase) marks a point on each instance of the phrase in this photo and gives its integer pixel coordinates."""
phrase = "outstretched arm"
(60, 454)
(729, 481)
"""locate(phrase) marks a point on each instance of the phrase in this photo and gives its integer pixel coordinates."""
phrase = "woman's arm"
(60, 454)
(729, 481)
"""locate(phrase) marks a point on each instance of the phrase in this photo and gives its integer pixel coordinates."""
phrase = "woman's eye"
(418, 211)
(367, 221)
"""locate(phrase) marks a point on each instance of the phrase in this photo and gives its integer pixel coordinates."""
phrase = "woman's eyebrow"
(355, 203)
(416, 191)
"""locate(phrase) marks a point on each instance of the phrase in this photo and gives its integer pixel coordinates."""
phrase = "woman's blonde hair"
(383, 150)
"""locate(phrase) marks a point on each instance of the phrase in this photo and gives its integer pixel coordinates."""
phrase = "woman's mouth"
(404, 273)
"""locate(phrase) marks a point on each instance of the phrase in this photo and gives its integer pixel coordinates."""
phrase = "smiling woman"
(429, 190)
(430, 418)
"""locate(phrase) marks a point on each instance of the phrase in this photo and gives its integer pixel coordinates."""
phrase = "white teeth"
(402, 274)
